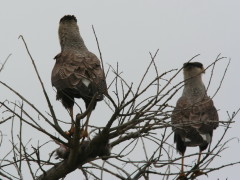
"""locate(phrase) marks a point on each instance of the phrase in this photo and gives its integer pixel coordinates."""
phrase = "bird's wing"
(201, 115)
(77, 71)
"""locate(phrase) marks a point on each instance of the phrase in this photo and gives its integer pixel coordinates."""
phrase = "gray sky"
(127, 32)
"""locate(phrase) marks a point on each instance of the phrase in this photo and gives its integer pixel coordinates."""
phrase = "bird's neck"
(70, 39)
(194, 87)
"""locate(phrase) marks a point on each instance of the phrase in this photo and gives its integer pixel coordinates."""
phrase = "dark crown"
(193, 64)
(68, 18)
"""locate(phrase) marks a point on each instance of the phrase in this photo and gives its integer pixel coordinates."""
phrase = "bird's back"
(194, 122)
(79, 75)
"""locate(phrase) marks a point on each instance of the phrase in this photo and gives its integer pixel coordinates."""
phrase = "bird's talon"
(182, 176)
(72, 130)
(68, 133)
(83, 134)
(197, 173)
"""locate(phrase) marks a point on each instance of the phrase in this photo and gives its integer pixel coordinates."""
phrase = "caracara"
(194, 117)
(77, 72)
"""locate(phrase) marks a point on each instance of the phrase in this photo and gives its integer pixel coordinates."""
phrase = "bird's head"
(68, 23)
(68, 19)
(69, 35)
(192, 69)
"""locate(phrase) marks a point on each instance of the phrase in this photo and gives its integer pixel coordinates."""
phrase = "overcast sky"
(127, 32)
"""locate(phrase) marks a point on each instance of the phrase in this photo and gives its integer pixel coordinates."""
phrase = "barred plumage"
(194, 117)
(77, 72)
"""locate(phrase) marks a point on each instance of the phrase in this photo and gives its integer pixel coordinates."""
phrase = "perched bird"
(77, 72)
(194, 117)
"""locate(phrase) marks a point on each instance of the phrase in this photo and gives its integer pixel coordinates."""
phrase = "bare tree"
(140, 118)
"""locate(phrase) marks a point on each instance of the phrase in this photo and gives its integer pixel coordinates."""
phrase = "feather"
(195, 117)
(80, 73)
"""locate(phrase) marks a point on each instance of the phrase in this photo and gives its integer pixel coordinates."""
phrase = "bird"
(77, 72)
(194, 117)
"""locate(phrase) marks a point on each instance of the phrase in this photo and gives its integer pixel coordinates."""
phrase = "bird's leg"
(199, 157)
(85, 126)
(182, 174)
(71, 130)
(182, 166)
(72, 124)
(197, 172)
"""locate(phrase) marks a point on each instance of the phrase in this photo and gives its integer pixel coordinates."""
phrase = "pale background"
(127, 31)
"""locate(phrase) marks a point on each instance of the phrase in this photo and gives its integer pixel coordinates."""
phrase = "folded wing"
(79, 75)
(194, 123)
